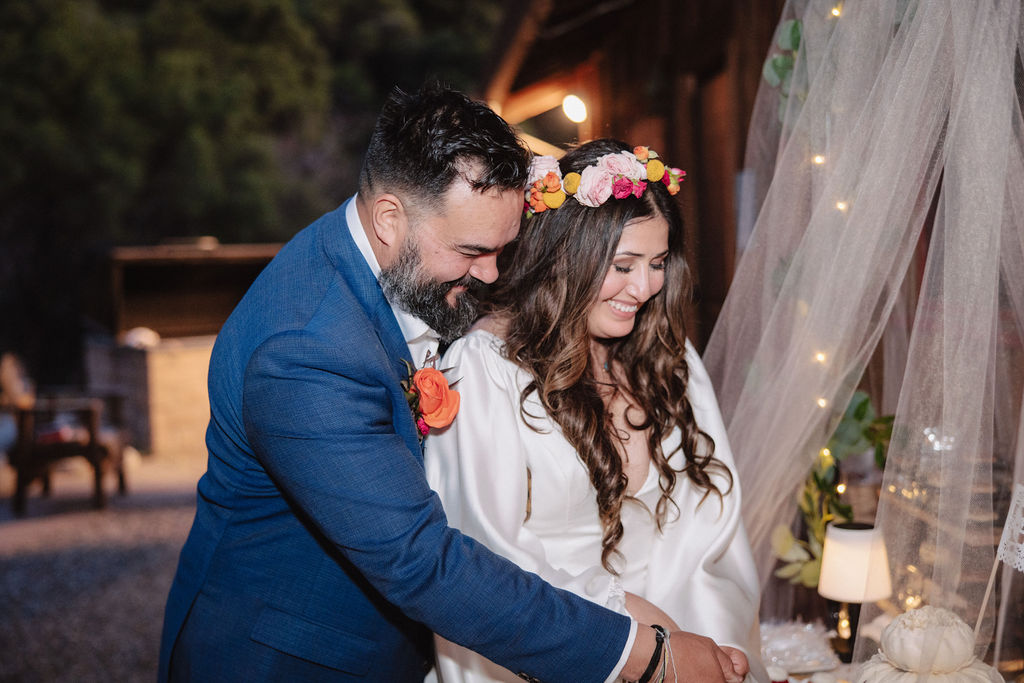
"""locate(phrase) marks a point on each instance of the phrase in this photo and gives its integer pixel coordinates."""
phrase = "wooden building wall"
(680, 77)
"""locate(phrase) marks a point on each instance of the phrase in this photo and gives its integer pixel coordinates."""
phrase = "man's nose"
(485, 268)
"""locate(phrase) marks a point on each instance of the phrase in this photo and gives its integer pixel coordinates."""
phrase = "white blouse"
(489, 466)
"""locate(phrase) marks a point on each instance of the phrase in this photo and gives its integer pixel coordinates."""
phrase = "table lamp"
(854, 570)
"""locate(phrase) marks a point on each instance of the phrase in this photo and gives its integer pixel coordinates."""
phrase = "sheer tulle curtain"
(895, 141)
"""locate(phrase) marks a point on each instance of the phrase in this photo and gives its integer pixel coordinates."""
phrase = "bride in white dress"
(589, 447)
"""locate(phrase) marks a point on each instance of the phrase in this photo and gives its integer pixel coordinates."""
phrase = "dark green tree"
(129, 121)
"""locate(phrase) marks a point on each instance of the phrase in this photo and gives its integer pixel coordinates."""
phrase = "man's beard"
(406, 285)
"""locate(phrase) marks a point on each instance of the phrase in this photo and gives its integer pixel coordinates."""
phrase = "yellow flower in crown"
(655, 170)
(553, 200)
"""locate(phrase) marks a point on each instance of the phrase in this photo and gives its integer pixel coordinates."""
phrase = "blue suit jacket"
(318, 551)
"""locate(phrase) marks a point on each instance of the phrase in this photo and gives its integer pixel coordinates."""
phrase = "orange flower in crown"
(545, 190)
(641, 153)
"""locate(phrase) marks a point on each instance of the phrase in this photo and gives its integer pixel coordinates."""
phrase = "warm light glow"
(820, 357)
(842, 206)
(819, 159)
(843, 627)
(825, 452)
(837, 10)
(841, 489)
(575, 109)
(822, 403)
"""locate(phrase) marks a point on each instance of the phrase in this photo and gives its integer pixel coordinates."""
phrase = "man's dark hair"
(422, 142)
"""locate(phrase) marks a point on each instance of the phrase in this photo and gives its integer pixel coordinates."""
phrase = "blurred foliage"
(820, 502)
(860, 429)
(130, 121)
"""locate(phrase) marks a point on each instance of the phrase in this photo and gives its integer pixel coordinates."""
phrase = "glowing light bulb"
(575, 109)
(841, 489)
(842, 206)
(822, 403)
(820, 357)
(818, 159)
(825, 452)
(843, 628)
(837, 10)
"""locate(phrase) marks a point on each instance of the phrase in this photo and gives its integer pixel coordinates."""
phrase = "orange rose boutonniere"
(432, 401)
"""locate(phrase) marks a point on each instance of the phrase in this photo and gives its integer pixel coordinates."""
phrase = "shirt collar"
(413, 329)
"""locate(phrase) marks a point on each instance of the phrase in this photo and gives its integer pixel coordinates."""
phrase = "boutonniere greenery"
(432, 401)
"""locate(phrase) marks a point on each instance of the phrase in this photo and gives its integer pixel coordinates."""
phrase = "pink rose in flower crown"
(623, 163)
(622, 187)
(540, 166)
(595, 186)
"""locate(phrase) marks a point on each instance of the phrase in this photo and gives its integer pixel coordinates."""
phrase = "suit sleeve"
(320, 418)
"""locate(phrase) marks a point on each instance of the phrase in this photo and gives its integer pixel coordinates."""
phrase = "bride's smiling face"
(637, 273)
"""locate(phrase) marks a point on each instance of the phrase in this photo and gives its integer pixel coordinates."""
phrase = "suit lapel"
(349, 263)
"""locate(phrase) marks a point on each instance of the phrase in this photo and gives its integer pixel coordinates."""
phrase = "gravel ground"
(82, 591)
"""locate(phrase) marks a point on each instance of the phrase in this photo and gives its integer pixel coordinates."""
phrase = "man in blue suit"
(318, 551)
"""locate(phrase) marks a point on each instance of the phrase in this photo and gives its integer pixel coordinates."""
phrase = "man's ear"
(389, 220)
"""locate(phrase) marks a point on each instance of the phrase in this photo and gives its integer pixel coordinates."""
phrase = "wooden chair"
(57, 427)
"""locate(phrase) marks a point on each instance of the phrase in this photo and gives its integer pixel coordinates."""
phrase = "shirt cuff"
(614, 675)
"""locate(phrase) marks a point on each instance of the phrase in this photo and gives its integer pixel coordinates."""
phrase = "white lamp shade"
(854, 564)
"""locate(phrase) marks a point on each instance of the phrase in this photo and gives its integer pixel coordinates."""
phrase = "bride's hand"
(739, 660)
(647, 613)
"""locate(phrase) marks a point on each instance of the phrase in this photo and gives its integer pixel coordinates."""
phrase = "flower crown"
(619, 175)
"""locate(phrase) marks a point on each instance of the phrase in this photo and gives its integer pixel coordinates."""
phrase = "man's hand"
(696, 659)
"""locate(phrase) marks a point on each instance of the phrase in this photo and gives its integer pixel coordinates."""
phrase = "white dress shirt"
(423, 341)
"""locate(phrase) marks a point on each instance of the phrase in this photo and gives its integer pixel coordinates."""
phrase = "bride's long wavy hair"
(550, 278)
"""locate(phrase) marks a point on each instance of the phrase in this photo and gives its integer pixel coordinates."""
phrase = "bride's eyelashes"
(629, 269)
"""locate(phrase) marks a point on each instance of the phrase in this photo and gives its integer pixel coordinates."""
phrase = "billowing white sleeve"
(478, 466)
(702, 570)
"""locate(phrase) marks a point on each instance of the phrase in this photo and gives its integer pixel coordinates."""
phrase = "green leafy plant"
(861, 429)
(819, 501)
(778, 68)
